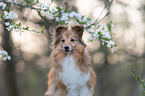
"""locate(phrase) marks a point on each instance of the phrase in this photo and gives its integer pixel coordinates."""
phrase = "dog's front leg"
(51, 90)
(55, 85)
(56, 90)
(85, 91)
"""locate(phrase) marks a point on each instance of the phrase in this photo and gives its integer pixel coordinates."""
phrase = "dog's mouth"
(67, 50)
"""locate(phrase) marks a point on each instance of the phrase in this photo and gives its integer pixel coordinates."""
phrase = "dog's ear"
(60, 29)
(79, 29)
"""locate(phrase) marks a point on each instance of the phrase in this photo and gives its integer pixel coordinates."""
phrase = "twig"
(101, 13)
(44, 18)
(106, 14)
(137, 79)
(96, 21)
(2, 21)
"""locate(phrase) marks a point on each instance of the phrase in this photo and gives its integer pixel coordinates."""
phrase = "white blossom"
(105, 34)
(64, 17)
(112, 49)
(110, 44)
(4, 55)
(10, 0)
(72, 14)
(100, 29)
(7, 23)
(85, 19)
(91, 30)
(9, 57)
(96, 35)
(10, 15)
(78, 15)
(34, 1)
(57, 19)
(44, 4)
(85, 25)
(89, 39)
(70, 21)
(97, 26)
(93, 26)
(1, 4)
(10, 27)
(112, 29)
(44, 13)
(4, 58)
(3, 52)
(112, 25)
(4, 5)
(50, 16)
(53, 10)
(106, 29)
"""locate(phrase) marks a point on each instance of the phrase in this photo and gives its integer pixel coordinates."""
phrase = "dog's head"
(69, 40)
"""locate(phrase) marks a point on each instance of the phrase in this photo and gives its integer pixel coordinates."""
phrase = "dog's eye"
(72, 40)
(63, 40)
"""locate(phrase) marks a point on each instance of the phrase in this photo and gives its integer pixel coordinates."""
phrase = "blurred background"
(26, 73)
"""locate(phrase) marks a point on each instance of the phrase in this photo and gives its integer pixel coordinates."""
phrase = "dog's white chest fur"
(73, 78)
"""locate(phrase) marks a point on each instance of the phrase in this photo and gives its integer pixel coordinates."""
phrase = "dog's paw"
(46, 94)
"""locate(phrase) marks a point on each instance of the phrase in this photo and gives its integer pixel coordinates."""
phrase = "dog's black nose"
(66, 47)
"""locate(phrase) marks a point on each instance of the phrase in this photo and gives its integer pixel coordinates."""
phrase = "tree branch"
(27, 6)
(31, 7)
(97, 22)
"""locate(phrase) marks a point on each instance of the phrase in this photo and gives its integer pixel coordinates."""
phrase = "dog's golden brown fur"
(69, 43)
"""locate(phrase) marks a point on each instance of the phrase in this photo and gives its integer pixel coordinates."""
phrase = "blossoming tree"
(47, 12)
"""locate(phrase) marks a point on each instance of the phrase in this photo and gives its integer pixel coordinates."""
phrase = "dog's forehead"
(69, 28)
(69, 33)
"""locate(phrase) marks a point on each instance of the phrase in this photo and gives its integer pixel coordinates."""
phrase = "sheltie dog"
(71, 71)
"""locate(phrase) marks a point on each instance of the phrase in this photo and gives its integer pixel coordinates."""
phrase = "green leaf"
(109, 28)
(99, 32)
(138, 77)
(115, 45)
(132, 74)
(19, 24)
(98, 26)
(59, 9)
(42, 31)
(143, 92)
(90, 40)
(143, 81)
(43, 27)
(37, 1)
(26, 28)
(61, 22)
(107, 39)
(88, 19)
(1, 16)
